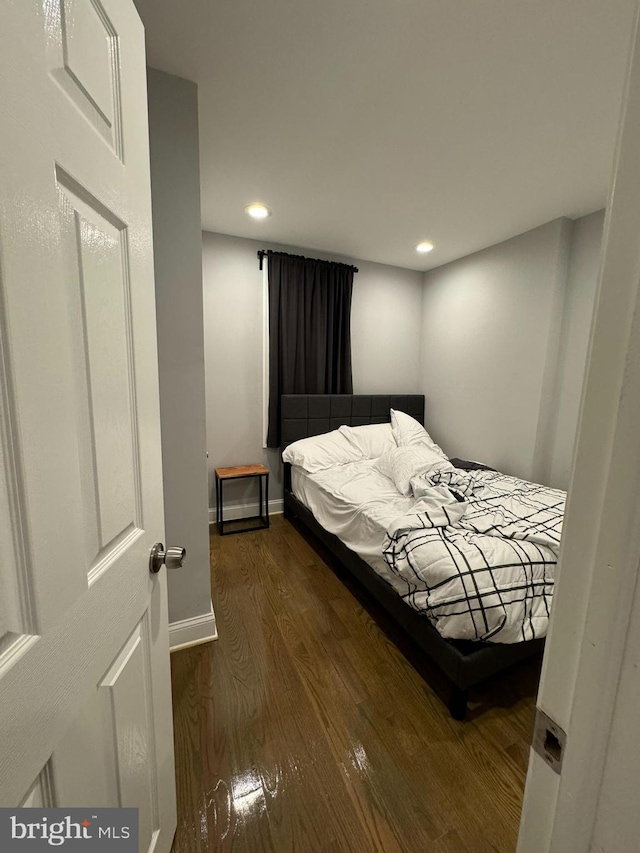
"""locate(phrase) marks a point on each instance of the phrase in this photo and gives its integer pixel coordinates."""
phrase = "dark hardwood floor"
(304, 728)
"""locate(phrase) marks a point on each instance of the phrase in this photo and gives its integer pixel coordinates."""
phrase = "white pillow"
(319, 452)
(408, 432)
(371, 440)
(404, 463)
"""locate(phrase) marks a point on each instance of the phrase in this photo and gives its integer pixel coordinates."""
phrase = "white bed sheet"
(357, 504)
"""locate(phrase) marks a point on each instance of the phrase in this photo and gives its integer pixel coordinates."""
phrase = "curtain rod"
(263, 252)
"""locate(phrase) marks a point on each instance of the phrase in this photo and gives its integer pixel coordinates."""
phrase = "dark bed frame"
(464, 663)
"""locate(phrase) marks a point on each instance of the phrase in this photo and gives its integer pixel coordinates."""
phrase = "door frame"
(600, 554)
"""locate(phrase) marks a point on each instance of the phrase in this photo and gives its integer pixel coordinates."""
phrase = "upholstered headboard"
(303, 415)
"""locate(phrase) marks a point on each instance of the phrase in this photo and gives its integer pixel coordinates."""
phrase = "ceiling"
(370, 125)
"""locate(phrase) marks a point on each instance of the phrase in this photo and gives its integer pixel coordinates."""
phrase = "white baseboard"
(235, 511)
(193, 631)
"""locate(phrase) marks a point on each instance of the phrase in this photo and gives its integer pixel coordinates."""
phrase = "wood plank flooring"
(304, 728)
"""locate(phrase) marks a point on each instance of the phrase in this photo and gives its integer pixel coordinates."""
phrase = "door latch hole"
(552, 745)
(549, 740)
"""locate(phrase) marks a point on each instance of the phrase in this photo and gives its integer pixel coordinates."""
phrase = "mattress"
(474, 551)
(357, 504)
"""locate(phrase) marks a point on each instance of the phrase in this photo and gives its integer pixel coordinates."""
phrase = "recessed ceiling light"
(424, 247)
(257, 211)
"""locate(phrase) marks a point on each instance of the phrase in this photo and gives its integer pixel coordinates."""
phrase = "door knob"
(172, 558)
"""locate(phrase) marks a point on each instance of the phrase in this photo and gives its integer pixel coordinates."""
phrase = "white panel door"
(85, 706)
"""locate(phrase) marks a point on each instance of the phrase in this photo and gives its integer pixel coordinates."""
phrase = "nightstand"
(243, 472)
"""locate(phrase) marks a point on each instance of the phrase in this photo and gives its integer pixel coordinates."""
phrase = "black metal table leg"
(217, 500)
(221, 525)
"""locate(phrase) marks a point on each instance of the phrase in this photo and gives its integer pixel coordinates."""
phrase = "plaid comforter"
(478, 554)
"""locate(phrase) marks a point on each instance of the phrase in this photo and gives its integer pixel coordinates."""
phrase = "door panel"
(97, 249)
(84, 60)
(128, 686)
(115, 731)
(85, 706)
(15, 599)
(40, 793)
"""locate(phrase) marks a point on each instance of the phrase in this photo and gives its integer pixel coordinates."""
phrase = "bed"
(310, 502)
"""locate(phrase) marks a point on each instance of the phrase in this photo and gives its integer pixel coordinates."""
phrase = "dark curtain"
(309, 330)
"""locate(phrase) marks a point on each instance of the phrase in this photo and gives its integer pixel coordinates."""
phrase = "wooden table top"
(240, 471)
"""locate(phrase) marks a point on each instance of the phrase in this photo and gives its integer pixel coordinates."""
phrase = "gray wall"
(385, 324)
(485, 338)
(584, 267)
(504, 342)
(496, 341)
(175, 190)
